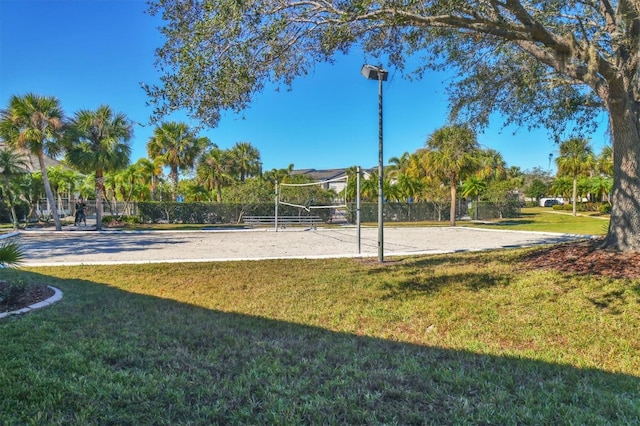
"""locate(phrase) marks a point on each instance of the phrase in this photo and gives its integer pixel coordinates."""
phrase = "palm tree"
(406, 183)
(193, 191)
(148, 173)
(12, 164)
(213, 170)
(63, 180)
(451, 154)
(515, 175)
(33, 123)
(601, 187)
(246, 160)
(31, 189)
(110, 188)
(99, 143)
(407, 186)
(369, 187)
(473, 187)
(604, 162)
(281, 175)
(398, 165)
(562, 186)
(491, 165)
(152, 170)
(576, 156)
(174, 145)
(131, 182)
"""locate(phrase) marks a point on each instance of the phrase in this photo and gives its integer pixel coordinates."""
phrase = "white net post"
(275, 217)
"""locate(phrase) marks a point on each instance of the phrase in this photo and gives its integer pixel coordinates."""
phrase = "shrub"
(119, 220)
(11, 292)
(605, 208)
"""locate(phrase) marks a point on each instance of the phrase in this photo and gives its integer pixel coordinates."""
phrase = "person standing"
(81, 216)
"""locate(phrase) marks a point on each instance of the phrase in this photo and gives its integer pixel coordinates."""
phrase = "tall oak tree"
(552, 63)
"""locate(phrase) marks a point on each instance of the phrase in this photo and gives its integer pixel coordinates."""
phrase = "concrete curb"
(53, 299)
(9, 235)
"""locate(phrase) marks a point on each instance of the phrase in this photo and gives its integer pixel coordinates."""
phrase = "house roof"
(319, 175)
(325, 174)
(32, 160)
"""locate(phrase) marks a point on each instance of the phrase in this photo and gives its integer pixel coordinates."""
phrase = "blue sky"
(93, 52)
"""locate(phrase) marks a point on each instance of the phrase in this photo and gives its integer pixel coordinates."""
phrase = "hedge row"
(154, 212)
(171, 212)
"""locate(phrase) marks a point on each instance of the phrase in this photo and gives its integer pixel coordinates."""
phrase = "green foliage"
(576, 156)
(605, 208)
(308, 195)
(536, 64)
(585, 207)
(251, 191)
(245, 160)
(170, 212)
(562, 186)
(453, 152)
(536, 189)
(175, 145)
(216, 213)
(473, 187)
(235, 49)
(12, 166)
(398, 212)
(98, 142)
(214, 171)
(10, 254)
(34, 123)
(11, 292)
(117, 220)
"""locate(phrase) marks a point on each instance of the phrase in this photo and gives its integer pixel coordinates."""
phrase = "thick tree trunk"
(624, 227)
(219, 193)
(14, 216)
(173, 176)
(452, 211)
(574, 197)
(99, 183)
(49, 192)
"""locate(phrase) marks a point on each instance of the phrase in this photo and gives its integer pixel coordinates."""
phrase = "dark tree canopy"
(553, 64)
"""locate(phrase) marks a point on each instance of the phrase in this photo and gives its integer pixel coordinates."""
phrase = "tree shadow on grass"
(430, 285)
(103, 355)
(508, 222)
(421, 282)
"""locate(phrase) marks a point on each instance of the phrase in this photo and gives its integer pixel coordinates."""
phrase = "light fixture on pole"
(372, 72)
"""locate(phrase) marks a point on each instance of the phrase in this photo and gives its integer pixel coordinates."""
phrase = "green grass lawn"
(546, 219)
(473, 338)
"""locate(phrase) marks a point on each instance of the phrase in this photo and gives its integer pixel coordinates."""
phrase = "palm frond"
(11, 254)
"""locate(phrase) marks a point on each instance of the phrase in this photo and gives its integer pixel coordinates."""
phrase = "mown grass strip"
(449, 339)
(548, 220)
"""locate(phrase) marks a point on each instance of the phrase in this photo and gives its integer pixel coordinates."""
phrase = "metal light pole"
(372, 72)
(359, 172)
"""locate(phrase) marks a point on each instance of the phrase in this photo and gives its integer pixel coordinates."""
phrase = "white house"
(337, 186)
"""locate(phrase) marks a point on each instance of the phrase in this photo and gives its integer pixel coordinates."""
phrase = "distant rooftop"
(326, 174)
(32, 160)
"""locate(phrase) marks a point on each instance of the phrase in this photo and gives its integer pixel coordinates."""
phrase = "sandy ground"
(111, 247)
